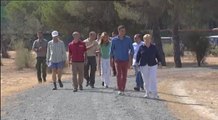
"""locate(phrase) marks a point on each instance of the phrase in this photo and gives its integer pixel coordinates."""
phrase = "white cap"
(54, 33)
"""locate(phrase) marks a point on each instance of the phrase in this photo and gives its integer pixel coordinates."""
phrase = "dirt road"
(41, 103)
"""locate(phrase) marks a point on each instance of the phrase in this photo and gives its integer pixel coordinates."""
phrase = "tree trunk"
(157, 40)
(4, 50)
(176, 43)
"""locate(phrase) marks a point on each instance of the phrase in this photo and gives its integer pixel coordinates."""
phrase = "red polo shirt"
(76, 51)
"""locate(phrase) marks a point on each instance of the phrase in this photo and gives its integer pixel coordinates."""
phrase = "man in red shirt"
(77, 56)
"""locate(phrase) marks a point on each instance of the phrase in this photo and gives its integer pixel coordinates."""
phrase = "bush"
(23, 58)
(214, 51)
(197, 43)
(168, 49)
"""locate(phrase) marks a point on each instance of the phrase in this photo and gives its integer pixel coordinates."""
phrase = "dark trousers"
(90, 69)
(41, 68)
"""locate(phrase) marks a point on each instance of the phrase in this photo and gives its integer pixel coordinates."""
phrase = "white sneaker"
(146, 96)
(120, 93)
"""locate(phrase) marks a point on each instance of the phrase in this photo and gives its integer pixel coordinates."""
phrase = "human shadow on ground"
(131, 94)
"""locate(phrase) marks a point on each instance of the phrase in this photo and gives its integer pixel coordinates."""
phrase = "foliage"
(168, 49)
(214, 51)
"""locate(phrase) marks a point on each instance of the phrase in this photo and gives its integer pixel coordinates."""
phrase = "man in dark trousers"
(91, 64)
(40, 47)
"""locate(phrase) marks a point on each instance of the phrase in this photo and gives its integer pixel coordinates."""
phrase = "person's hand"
(69, 63)
(159, 65)
(39, 49)
(111, 62)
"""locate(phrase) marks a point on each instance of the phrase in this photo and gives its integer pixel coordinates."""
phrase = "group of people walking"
(114, 53)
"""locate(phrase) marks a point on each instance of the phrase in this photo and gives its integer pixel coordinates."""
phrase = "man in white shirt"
(136, 45)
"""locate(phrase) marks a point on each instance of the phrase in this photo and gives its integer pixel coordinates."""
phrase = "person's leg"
(114, 69)
(145, 76)
(118, 69)
(137, 88)
(107, 72)
(59, 71)
(93, 70)
(81, 75)
(86, 71)
(102, 71)
(141, 83)
(74, 77)
(44, 67)
(124, 74)
(54, 71)
(153, 81)
(38, 68)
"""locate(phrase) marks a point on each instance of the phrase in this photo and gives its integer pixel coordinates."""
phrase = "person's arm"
(112, 52)
(34, 47)
(131, 49)
(64, 52)
(48, 53)
(69, 55)
(138, 56)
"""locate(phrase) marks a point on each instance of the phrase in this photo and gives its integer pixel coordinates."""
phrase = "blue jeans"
(139, 80)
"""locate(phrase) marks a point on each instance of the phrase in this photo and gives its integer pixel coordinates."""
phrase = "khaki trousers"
(77, 73)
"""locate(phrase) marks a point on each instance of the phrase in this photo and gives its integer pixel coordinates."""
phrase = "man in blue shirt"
(120, 49)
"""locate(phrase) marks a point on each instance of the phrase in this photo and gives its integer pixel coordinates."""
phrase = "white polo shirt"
(136, 48)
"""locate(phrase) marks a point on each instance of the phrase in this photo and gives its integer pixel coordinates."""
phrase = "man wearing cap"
(77, 56)
(92, 46)
(56, 57)
(40, 47)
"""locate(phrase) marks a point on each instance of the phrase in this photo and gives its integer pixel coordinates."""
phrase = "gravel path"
(41, 103)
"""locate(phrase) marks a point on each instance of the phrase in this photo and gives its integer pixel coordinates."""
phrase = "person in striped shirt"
(56, 57)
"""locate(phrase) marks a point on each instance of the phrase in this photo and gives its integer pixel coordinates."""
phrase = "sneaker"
(81, 87)
(75, 90)
(92, 86)
(102, 83)
(87, 84)
(119, 92)
(136, 89)
(106, 86)
(54, 88)
(146, 96)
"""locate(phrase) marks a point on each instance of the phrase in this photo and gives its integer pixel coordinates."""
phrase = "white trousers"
(149, 75)
(105, 71)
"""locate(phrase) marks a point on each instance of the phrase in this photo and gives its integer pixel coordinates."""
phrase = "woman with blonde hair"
(105, 46)
(148, 59)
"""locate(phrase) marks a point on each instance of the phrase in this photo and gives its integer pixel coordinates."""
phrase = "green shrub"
(23, 58)
(168, 49)
(214, 51)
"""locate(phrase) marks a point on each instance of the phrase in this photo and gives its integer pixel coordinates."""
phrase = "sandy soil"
(191, 92)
